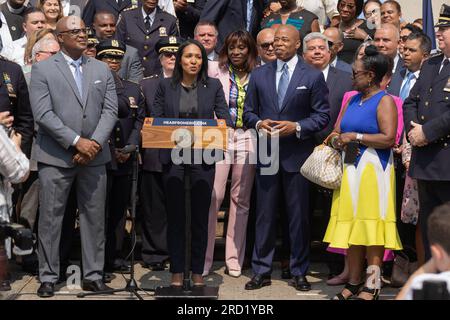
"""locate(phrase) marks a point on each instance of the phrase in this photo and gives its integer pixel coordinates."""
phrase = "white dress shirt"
(151, 15)
(5, 35)
(413, 80)
(16, 52)
(396, 59)
(167, 6)
(442, 63)
(326, 71)
(323, 9)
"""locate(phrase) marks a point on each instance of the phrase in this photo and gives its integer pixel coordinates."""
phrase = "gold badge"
(447, 85)
(172, 40)
(162, 32)
(133, 104)
(115, 43)
(9, 86)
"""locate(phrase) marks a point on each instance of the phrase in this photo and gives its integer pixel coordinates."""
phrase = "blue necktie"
(283, 84)
(78, 76)
(404, 91)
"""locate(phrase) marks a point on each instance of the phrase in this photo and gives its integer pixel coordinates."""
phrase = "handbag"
(410, 204)
(323, 167)
(402, 270)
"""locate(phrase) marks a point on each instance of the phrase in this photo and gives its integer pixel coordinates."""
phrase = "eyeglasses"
(266, 45)
(357, 73)
(49, 52)
(75, 32)
(404, 38)
(168, 54)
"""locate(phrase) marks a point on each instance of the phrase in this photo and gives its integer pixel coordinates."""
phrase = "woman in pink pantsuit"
(236, 60)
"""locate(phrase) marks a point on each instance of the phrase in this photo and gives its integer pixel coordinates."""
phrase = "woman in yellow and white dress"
(363, 216)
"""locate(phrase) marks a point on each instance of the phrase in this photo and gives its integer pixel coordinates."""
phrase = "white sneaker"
(233, 273)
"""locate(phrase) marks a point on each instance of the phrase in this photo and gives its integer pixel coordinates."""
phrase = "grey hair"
(313, 36)
(38, 46)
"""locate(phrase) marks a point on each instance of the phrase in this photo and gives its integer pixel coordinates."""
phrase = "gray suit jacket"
(62, 114)
(131, 67)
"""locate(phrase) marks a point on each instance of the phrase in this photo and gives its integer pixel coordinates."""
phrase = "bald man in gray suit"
(75, 107)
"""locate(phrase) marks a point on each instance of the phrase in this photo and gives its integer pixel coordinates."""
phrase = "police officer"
(14, 98)
(126, 132)
(153, 210)
(427, 124)
(141, 27)
(113, 6)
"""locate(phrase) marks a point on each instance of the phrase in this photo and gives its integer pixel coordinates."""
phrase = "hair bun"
(371, 51)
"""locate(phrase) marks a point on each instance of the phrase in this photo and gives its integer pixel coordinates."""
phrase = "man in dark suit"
(75, 107)
(232, 15)
(317, 54)
(188, 14)
(127, 131)
(427, 123)
(288, 99)
(131, 67)
(14, 10)
(336, 42)
(154, 216)
(142, 27)
(114, 6)
(14, 98)
(206, 33)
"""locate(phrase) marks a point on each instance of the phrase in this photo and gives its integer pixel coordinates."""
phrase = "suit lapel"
(113, 3)
(140, 21)
(87, 75)
(176, 101)
(444, 72)
(157, 22)
(273, 85)
(296, 76)
(331, 79)
(63, 67)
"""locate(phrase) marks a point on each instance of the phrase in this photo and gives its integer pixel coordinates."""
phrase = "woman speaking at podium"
(189, 94)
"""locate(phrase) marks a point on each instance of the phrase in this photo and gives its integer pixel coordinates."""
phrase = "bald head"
(72, 36)
(286, 42)
(337, 38)
(387, 39)
(265, 33)
(264, 42)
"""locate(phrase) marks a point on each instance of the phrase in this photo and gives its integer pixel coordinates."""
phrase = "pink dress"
(388, 254)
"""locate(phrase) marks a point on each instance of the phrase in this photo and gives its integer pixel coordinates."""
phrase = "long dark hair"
(246, 38)
(202, 76)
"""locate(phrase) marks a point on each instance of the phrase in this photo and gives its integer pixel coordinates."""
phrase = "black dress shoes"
(157, 266)
(95, 286)
(258, 281)
(300, 283)
(46, 290)
(286, 274)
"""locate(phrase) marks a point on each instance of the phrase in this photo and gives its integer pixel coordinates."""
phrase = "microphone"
(129, 149)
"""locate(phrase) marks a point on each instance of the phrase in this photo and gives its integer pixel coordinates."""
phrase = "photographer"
(14, 166)
(438, 267)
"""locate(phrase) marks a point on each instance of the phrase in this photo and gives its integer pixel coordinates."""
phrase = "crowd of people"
(79, 77)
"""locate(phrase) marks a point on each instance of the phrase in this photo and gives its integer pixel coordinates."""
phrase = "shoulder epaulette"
(130, 8)
(151, 77)
(436, 54)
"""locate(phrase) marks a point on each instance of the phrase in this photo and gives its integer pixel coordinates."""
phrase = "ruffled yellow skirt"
(363, 209)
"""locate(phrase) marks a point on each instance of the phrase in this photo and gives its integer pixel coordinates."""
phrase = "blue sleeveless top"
(362, 118)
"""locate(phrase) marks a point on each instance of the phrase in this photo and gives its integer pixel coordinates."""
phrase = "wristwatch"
(359, 137)
(298, 129)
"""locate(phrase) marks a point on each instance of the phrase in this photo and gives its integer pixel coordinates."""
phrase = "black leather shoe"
(95, 286)
(300, 283)
(108, 277)
(46, 290)
(158, 266)
(258, 281)
(286, 274)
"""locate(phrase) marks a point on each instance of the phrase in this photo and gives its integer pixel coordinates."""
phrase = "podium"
(166, 133)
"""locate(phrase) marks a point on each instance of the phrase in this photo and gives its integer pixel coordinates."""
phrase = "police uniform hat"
(91, 38)
(167, 44)
(110, 47)
(444, 16)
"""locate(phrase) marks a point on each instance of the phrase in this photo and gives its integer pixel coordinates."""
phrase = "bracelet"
(359, 137)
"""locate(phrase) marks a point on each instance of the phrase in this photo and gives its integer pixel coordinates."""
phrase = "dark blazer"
(131, 30)
(338, 82)
(188, 19)
(306, 102)
(94, 6)
(429, 105)
(150, 157)
(127, 130)
(15, 99)
(230, 15)
(397, 78)
(211, 101)
(344, 66)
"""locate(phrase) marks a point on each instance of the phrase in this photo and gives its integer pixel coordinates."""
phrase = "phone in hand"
(351, 152)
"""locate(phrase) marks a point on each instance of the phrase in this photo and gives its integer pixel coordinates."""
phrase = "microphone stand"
(131, 286)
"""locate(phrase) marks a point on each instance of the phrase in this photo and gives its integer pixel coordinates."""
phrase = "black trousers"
(153, 218)
(431, 195)
(202, 181)
(118, 196)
